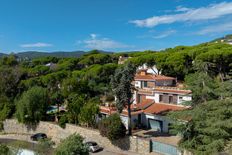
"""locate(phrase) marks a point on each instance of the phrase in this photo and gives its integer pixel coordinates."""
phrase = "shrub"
(72, 145)
(45, 146)
(1, 126)
(4, 150)
(62, 121)
(112, 127)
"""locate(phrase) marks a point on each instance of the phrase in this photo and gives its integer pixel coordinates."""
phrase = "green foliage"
(63, 120)
(45, 146)
(89, 112)
(121, 85)
(44, 60)
(75, 104)
(202, 87)
(72, 145)
(210, 127)
(32, 105)
(4, 150)
(112, 127)
(9, 80)
(9, 60)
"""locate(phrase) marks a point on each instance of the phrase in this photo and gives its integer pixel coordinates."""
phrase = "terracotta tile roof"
(107, 110)
(110, 110)
(162, 108)
(125, 113)
(143, 105)
(152, 77)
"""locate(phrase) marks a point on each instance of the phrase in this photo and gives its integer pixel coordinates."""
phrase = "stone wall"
(134, 144)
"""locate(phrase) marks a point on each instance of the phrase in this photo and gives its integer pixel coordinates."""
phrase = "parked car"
(38, 136)
(93, 146)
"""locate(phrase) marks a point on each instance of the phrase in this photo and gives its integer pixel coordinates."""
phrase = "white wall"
(138, 84)
(125, 120)
(184, 98)
(149, 70)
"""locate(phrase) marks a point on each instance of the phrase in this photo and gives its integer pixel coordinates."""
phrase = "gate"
(164, 149)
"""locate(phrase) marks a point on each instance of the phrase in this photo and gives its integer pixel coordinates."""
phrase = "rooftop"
(163, 108)
(152, 77)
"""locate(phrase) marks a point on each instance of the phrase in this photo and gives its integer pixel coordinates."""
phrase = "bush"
(62, 121)
(1, 126)
(112, 127)
(4, 150)
(72, 145)
(45, 146)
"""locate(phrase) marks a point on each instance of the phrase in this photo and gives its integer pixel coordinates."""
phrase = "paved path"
(110, 152)
(26, 137)
(17, 137)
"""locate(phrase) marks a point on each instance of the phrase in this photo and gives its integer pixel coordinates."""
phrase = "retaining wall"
(139, 145)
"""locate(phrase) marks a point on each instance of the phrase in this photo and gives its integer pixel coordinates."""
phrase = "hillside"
(60, 54)
(2, 54)
(226, 39)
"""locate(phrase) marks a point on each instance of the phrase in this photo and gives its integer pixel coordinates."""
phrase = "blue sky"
(111, 25)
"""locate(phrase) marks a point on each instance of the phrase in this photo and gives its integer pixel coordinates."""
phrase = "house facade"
(153, 97)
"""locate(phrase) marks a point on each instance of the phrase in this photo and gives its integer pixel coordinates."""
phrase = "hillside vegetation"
(81, 82)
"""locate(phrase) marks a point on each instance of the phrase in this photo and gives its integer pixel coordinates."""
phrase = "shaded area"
(123, 144)
(26, 145)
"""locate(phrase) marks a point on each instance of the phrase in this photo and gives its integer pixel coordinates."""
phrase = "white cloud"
(225, 27)
(182, 9)
(39, 44)
(93, 35)
(212, 11)
(101, 43)
(165, 34)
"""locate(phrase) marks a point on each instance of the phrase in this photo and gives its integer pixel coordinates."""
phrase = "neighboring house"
(155, 95)
(123, 59)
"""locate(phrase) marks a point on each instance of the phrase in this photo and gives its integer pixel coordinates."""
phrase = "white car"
(93, 146)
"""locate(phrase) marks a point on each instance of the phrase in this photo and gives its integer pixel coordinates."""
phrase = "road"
(27, 138)
(109, 152)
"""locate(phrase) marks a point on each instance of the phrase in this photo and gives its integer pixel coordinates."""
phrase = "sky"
(110, 25)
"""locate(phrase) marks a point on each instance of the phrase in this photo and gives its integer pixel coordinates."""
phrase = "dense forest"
(29, 87)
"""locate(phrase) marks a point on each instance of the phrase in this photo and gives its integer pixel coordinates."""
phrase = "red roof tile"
(162, 108)
(152, 77)
(146, 103)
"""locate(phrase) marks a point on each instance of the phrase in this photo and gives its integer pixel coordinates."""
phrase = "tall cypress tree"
(122, 87)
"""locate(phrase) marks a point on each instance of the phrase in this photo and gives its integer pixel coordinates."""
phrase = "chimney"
(143, 72)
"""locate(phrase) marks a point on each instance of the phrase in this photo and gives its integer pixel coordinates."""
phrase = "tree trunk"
(129, 118)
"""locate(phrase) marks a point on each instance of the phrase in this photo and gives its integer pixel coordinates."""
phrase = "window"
(161, 98)
(144, 83)
(170, 99)
(139, 100)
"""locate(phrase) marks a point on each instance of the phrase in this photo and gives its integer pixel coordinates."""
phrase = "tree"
(202, 86)
(122, 88)
(4, 150)
(9, 80)
(89, 112)
(58, 99)
(75, 103)
(72, 145)
(6, 108)
(209, 129)
(32, 105)
(112, 127)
